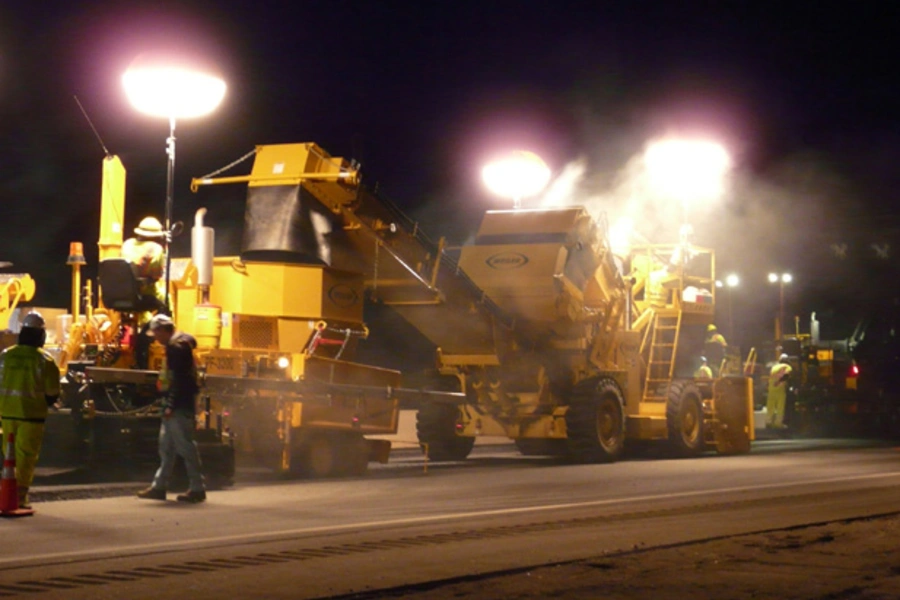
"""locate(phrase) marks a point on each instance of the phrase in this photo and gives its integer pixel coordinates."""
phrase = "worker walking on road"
(714, 347)
(29, 385)
(777, 398)
(703, 372)
(178, 381)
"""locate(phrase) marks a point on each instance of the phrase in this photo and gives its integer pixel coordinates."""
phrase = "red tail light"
(854, 371)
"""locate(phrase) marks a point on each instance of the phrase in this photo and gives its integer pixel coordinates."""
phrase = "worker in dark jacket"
(178, 382)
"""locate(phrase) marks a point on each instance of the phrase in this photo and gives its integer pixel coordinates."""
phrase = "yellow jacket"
(28, 377)
(148, 258)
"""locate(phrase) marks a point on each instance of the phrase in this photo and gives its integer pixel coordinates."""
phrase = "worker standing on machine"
(703, 372)
(29, 385)
(148, 257)
(777, 398)
(714, 347)
(178, 381)
(147, 254)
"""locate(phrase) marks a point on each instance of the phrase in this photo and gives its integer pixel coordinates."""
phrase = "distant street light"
(687, 170)
(731, 281)
(781, 280)
(520, 175)
(170, 91)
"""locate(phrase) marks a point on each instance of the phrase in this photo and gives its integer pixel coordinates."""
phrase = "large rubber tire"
(436, 430)
(595, 421)
(542, 447)
(684, 419)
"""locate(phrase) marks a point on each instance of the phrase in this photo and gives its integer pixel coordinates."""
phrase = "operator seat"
(120, 287)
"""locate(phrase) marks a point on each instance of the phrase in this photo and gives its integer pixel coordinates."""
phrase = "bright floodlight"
(773, 278)
(687, 170)
(732, 280)
(719, 284)
(520, 175)
(172, 92)
(620, 236)
(787, 277)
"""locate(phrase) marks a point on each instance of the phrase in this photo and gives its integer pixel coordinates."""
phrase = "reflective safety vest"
(778, 371)
(704, 372)
(148, 258)
(717, 338)
(27, 376)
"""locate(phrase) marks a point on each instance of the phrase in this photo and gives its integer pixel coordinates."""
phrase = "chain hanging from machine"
(230, 165)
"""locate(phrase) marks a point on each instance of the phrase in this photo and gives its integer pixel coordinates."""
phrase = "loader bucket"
(733, 414)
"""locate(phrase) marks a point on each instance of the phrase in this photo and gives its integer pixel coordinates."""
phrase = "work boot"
(152, 493)
(193, 497)
(23, 498)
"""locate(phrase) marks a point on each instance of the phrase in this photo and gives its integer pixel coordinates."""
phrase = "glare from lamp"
(620, 236)
(172, 92)
(773, 278)
(787, 278)
(284, 362)
(687, 170)
(732, 280)
(522, 174)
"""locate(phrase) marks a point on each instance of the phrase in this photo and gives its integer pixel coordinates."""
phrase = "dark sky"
(805, 96)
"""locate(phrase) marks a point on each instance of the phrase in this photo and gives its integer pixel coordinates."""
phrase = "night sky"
(805, 96)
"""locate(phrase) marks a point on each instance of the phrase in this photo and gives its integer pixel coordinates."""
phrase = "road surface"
(402, 527)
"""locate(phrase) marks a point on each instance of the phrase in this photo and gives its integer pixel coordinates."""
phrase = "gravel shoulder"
(846, 560)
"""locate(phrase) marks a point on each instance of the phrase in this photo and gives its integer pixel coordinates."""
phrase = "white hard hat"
(34, 320)
(160, 320)
(150, 227)
(783, 357)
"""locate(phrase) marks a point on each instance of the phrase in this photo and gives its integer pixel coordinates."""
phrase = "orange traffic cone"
(9, 489)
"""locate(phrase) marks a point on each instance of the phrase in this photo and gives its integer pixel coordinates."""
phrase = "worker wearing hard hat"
(148, 257)
(703, 372)
(146, 253)
(776, 400)
(29, 385)
(714, 347)
(178, 382)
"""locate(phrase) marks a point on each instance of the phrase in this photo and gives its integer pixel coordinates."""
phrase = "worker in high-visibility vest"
(29, 385)
(714, 347)
(776, 401)
(703, 372)
(146, 253)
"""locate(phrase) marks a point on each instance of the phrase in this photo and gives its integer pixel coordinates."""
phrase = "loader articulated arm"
(14, 288)
(367, 234)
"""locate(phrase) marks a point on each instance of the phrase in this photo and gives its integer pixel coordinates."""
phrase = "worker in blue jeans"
(178, 381)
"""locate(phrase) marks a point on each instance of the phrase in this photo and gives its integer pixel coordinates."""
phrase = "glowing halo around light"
(687, 169)
(171, 91)
(521, 174)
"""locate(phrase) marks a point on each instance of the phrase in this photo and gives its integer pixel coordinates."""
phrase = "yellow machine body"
(535, 312)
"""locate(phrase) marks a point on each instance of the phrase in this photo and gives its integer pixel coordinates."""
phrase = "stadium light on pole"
(159, 87)
(521, 174)
(781, 280)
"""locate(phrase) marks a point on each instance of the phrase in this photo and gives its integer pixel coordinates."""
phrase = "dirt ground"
(841, 561)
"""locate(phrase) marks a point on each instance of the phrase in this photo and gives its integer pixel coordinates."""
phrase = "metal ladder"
(661, 362)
